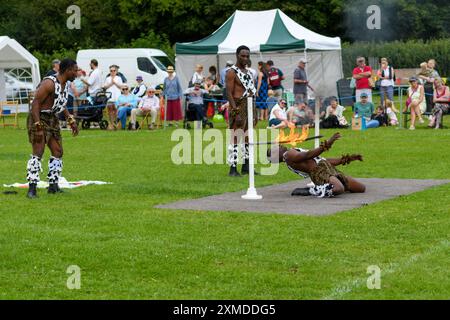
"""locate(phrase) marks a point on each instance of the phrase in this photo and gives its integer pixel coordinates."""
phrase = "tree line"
(41, 26)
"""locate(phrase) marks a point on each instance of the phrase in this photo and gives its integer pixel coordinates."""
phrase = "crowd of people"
(427, 94)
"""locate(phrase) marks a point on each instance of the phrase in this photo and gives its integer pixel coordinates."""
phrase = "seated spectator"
(441, 101)
(415, 102)
(148, 104)
(380, 116)
(212, 87)
(140, 89)
(365, 109)
(125, 103)
(334, 116)
(391, 112)
(299, 115)
(195, 97)
(278, 117)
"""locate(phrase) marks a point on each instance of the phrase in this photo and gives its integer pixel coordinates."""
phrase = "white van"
(151, 64)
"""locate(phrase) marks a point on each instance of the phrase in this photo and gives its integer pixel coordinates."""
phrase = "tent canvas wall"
(14, 55)
(270, 35)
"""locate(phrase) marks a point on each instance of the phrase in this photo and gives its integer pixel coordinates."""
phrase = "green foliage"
(408, 54)
(153, 40)
(400, 20)
(45, 59)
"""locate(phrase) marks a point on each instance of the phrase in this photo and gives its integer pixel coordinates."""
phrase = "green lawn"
(126, 249)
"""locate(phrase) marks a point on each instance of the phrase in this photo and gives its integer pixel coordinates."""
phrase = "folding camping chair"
(6, 108)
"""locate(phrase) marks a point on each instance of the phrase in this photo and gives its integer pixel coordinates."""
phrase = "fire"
(293, 138)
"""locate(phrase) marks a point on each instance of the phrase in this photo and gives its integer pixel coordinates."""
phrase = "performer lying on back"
(309, 164)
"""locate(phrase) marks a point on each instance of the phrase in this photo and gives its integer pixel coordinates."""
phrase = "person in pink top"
(361, 74)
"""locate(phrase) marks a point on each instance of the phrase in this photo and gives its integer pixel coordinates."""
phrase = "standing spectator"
(94, 82)
(55, 68)
(416, 101)
(252, 71)
(428, 74)
(113, 84)
(79, 90)
(148, 104)
(213, 75)
(223, 74)
(275, 78)
(301, 83)
(261, 91)
(361, 74)
(278, 117)
(173, 94)
(365, 109)
(387, 76)
(197, 76)
(441, 101)
(140, 89)
(125, 103)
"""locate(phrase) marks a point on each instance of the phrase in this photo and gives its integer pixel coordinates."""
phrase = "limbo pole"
(251, 191)
(317, 122)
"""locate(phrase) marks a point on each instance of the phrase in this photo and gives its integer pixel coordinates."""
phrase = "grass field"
(126, 249)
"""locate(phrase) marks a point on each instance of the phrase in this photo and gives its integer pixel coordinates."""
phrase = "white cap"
(303, 60)
(229, 63)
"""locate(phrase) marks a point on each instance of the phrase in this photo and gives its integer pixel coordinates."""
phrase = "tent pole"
(2, 85)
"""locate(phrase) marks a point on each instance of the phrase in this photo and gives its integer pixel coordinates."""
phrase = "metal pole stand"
(251, 191)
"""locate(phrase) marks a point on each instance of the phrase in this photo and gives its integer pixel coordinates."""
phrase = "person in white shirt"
(140, 89)
(278, 117)
(387, 76)
(334, 116)
(198, 75)
(149, 103)
(113, 84)
(94, 82)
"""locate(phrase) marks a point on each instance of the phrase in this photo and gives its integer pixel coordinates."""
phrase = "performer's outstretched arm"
(296, 156)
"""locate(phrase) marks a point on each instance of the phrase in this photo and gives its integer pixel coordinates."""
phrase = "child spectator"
(391, 112)
(271, 100)
(380, 116)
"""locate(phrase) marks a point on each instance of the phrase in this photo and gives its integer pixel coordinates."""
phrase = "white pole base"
(251, 195)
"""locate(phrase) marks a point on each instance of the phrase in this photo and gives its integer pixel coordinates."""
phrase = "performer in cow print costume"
(43, 126)
(240, 86)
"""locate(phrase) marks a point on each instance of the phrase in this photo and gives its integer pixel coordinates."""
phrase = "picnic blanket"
(63, 183)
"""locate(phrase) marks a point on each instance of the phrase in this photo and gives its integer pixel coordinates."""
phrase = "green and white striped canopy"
(261, 31)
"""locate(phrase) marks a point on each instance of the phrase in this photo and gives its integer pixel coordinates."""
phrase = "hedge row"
(407, 54)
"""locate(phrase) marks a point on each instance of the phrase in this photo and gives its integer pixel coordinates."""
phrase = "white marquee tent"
(14, 55)
(270, 35)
